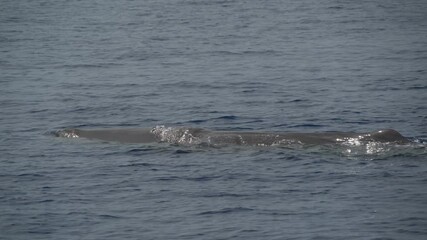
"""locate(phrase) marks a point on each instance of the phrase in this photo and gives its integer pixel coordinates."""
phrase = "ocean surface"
(276, 66)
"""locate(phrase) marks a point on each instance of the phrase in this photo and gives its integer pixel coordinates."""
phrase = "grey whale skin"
(182, 135)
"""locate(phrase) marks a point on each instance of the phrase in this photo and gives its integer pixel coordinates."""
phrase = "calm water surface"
(291, 66)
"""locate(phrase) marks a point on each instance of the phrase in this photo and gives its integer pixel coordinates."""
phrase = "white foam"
(67, 134)
(171, 135)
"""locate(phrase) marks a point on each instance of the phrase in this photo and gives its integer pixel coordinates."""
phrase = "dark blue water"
(298, 66)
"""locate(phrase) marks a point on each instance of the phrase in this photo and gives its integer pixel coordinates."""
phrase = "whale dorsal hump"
(388, 135)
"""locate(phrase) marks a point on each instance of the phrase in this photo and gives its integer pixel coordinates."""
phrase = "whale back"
(387, 135)
(196, 136)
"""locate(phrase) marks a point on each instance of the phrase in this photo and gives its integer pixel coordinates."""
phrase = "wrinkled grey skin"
(198, 135)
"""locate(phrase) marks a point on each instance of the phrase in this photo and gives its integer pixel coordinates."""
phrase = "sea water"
(285, 66)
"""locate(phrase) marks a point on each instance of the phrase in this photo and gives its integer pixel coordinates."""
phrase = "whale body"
(195, 136)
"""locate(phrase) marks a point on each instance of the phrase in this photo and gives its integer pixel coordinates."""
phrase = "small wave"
(224, 194)
(169, 178)
(227, 211)
(202, 178)
(140, 165)
(30, 175)
(138, 150)
(228, 117)
(183, 151)
(197, 121)
(307, 125)
(107, 216)
(88, 65)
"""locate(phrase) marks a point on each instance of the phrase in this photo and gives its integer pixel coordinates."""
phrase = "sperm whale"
(190, 136)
